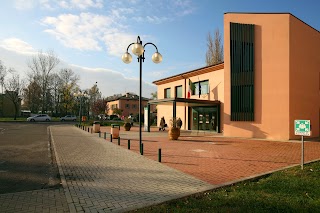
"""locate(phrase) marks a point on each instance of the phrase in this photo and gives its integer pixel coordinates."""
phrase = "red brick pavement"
(217, 159)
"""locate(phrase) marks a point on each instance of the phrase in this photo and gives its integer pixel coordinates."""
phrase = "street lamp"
(80, 95)
(138, 50)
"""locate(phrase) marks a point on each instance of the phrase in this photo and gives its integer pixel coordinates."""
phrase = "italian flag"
(191, 87)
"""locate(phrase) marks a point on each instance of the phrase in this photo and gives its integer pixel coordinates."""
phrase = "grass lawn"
(11, 119)
(291, 190)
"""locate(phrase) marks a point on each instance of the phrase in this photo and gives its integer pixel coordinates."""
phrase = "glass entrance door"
(204, 118)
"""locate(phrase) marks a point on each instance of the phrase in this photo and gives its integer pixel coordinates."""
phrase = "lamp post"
(138, 50)
(80, 95)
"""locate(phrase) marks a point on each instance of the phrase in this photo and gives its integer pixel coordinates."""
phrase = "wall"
(304, 75)
(271, 77)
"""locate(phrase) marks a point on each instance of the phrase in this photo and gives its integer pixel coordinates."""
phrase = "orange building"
(128, 103)
(270, 77)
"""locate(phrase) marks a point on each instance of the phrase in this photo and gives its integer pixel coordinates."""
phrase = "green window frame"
(178, 91)
(167, 93)
(204, 87)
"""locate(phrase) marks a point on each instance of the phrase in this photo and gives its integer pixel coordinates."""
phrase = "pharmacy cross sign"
(302, 127)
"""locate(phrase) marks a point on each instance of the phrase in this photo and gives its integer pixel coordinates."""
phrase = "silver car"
(68, 118)
(41, 117)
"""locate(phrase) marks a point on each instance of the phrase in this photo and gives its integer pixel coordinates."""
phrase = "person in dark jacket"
(162, 124)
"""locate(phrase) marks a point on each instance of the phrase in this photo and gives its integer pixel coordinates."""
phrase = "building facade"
(270, 77)
(128, 103)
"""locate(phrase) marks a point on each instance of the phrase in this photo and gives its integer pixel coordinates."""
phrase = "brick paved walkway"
(101, 176)
(218, 160)
(46, 200)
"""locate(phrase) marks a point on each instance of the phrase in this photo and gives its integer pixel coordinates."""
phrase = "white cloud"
(81, 4)
(117, 43)
(87, 31)
(24, 5)
(94, 32)
(17, 45)
(56, 4)
(80, 32)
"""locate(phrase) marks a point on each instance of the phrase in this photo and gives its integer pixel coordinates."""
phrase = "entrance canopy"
(184, 102)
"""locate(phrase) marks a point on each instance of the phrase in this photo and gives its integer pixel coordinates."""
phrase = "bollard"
(82, 127)
(91, 130)
(99, 134)
(110, 137)
(105, 135)
(141, 148)
(159, 155)
(128, 144)
(119, 140)
(88, 129)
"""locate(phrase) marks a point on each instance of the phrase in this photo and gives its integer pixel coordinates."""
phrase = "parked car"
(68, 118)
(41, 117)
(102, 117)
(113, 117)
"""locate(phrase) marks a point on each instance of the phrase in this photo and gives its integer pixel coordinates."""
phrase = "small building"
(7, 108)
(269, 78)
(128, 103)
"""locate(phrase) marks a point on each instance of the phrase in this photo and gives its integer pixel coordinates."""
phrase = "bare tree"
(3, 73)
(94, 94)
(42, 66)
(32, 97)
(100, 107)
(214, 53)
(56, 83)
(14, 87)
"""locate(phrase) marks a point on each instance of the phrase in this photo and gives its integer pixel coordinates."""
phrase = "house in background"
(128, 103)
(269, 78)
(7, 108)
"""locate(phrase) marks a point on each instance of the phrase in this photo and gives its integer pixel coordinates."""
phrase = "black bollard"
(128, 144)
(110, 137)
(141, 148)
(119, 140)
(105, 135)
(88, 129)
(159, 155)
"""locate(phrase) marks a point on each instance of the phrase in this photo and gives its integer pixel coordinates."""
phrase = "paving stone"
(102, 176)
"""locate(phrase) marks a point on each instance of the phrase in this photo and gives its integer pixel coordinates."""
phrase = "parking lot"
(25, 159)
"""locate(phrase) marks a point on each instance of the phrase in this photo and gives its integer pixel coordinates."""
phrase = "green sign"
(302, 127)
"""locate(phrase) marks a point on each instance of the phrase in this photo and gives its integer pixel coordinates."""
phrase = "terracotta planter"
(127, 126)
(173, 133)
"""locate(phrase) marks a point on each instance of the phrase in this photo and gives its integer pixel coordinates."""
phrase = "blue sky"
(90, 36)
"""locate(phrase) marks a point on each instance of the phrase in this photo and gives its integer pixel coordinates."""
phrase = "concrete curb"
(71, 205)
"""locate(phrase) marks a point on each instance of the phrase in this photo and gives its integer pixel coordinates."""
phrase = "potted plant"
(174, 130)
(127, 124)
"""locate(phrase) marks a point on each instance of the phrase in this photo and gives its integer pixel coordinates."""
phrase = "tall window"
(178, 91)
(204, 87)
(242, 71)
(167, 93)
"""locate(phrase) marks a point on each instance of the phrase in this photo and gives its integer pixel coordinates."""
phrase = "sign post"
(303, 128)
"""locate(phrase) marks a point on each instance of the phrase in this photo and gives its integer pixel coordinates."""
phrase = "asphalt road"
(25, 157)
